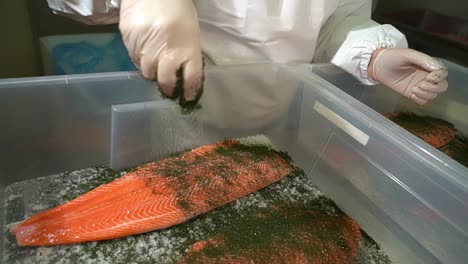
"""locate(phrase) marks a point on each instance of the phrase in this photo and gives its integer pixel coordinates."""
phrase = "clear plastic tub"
(440, 169)
(62, 122)
(450, 105)
(412, 203)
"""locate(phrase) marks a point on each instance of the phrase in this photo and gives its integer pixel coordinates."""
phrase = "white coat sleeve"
(349, 37)
(92, 12)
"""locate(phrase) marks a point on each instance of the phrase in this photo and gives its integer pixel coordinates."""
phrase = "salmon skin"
(158, 195)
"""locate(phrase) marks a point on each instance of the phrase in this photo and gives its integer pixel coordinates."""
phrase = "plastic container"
(450, 105)
(51, 124)
(413, 204)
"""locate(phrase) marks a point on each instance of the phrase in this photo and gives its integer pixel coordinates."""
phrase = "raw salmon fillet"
(158, 195)
(289, 233)
(433, 131)
(436, 132)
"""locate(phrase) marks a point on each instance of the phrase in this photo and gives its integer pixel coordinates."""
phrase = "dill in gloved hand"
(187, 106)
(163, 40)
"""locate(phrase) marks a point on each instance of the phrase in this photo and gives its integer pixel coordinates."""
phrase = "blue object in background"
(84, 53)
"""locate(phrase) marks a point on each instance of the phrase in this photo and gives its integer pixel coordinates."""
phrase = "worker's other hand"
(413, 74)
(163, 40)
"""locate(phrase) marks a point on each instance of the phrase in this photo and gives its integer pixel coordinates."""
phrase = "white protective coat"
(282, 31)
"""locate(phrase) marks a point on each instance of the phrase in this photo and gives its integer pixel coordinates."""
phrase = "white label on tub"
(338, 121)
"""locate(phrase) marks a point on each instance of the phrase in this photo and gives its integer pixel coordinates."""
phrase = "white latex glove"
(163, 40)
(413, 74)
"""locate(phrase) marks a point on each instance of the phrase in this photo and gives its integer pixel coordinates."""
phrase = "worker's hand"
(413, 74)
(163, 40)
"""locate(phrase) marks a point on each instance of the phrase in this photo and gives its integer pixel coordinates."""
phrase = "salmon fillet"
(290, 233)
(158, 195)
(433, 131)
(436, 132)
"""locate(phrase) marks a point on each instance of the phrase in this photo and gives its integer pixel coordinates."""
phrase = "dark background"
(23, 22)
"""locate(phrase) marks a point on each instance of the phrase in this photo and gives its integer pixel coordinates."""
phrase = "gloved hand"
(163, 40)
(413, 74)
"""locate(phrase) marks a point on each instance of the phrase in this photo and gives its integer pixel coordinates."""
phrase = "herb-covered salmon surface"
(286, 233)
(433, 131)
(157, 195)
(292, 205)
(436, 132)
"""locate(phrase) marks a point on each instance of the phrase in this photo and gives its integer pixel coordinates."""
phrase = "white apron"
(244, 31)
